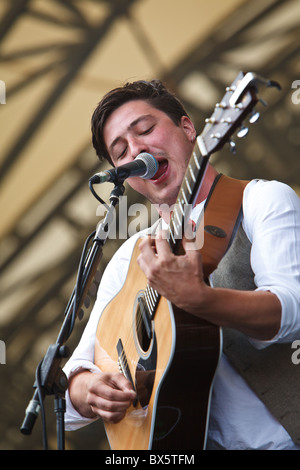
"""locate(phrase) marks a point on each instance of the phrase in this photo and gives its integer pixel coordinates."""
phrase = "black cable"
(97, 195)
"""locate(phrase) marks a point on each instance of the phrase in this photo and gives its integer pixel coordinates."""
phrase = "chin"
(167, 196)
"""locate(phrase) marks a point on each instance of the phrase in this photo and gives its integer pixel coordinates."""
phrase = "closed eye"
(122, 153)
(147, 131)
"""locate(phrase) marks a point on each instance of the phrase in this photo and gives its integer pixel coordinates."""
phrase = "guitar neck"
(188, 193)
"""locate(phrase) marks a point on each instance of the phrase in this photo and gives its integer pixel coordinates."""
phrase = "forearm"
(180, 279)
(255, 313)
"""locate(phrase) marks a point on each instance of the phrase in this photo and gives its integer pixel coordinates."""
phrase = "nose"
(136, 147)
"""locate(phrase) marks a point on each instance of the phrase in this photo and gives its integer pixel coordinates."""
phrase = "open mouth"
(162, 168)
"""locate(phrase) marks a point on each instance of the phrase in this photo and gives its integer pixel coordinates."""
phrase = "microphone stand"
(50, 378)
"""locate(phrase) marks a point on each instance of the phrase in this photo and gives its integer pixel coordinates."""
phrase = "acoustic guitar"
(169, 356)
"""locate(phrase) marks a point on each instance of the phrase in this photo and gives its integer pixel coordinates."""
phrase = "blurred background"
(57, 59)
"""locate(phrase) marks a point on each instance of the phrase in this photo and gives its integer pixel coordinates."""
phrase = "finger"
(147, 246)
(162, 243)
(109, 411)
(110, 417)
(108, 404)
(118, 387)
(124, 385)
(147, 256)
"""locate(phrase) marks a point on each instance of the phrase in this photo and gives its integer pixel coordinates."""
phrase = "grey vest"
(269, 372)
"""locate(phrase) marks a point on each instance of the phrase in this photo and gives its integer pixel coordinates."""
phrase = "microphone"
(145, 166)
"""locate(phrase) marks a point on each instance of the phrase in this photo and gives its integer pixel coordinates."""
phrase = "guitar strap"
(222, 216)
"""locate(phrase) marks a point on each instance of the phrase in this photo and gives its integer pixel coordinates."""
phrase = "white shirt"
(238, 419)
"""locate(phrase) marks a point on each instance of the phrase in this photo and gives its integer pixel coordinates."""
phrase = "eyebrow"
(131, 125)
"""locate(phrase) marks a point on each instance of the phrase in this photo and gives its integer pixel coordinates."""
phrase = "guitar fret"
(177, 216)
(153, 298)
(184, 196)
(146, 299)
(171, 234)
(155, 295)
(188, 185)
(175, 227)
(192, 174)
(149, 300)
(150, 297)
(196, 161)
(151, 292)
(180, 207)
(151, 309)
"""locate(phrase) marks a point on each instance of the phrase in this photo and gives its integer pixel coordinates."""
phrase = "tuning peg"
(232, 146)
(254, 117)
(242, 132)
(210, 120)
(216, 136)
(227, 120)
(221, 105)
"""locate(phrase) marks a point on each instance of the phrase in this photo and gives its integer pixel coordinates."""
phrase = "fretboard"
(187, 196)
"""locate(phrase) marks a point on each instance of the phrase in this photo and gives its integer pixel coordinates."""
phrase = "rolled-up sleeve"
(272, 224)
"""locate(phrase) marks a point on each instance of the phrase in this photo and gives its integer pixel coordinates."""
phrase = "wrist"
(79, 391)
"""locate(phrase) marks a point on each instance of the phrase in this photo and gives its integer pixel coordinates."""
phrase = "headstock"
(228, 116)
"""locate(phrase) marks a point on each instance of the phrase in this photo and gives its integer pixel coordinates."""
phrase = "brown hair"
(153, 92)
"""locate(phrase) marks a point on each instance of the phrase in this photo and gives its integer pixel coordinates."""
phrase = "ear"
(188, 127)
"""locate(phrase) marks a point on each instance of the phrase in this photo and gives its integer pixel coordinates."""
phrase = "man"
(145, 117)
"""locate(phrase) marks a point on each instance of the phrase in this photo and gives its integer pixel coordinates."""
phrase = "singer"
(253, 297)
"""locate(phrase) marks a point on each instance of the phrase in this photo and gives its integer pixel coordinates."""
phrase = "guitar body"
(171, 368)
